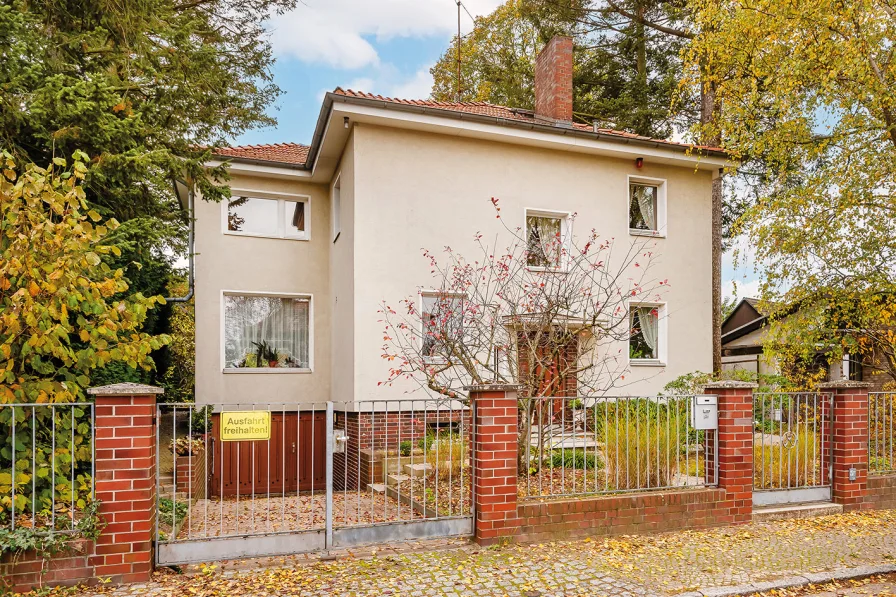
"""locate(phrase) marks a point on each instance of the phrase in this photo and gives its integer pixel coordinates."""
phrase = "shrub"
(641, 452)
(447, 456)
(575, 458)
(778, 465)
(405, 447)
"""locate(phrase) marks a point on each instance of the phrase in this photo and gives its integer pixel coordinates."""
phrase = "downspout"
(190, 285)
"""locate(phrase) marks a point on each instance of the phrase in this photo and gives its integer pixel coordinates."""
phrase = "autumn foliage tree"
(535, 307)
(62, 316)
(809, 94)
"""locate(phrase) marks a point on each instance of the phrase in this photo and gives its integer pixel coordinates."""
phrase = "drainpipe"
(189, 295)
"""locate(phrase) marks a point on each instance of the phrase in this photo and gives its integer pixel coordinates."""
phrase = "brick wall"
(850, 443)
(190, 474)
(624, 514)
(880, 493)
(125, 485)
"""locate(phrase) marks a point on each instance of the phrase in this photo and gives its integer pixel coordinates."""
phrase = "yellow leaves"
(33, 288)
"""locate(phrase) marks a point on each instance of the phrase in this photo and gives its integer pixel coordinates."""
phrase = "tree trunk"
(709, 111)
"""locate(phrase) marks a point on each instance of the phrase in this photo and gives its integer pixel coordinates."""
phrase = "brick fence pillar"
(734, 460)
(849, 462)
(125, 482)
(495, 412)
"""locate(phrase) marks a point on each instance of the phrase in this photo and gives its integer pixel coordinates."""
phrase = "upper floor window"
(265, 332)
(646, 341)
(442, 317)
(646, 206)
(267, 217)
(546, 239)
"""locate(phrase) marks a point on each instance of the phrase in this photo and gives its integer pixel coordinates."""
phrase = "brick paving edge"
(789, 582)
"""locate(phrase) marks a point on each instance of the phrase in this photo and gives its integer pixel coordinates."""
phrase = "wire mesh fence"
(791, 440)
(571, 446)
(46, 466)
(881, 420)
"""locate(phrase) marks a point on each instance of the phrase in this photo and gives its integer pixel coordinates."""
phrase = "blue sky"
(379, 46)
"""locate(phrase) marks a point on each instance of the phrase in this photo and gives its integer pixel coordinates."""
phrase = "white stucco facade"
(403, 189)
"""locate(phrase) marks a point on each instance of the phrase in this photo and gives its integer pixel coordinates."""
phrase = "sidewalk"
(667, 564)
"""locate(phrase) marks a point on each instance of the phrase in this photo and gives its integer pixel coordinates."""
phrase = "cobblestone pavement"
(662, 565)
(877, 586)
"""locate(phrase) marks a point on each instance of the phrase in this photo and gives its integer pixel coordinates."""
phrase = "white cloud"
(336, 32)
(418, 86)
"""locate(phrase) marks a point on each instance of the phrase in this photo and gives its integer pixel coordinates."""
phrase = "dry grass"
(640, 455)
(780, 465)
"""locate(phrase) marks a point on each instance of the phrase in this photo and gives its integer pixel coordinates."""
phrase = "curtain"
(649, 324)
(544, 241)
(646, 197)
(280, 324)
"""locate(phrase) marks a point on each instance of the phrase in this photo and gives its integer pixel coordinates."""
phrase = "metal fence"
(880, 432)
(594, 445)
(46, 466)
(327, 475)
(791, 440)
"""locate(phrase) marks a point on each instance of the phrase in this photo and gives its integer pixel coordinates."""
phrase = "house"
(292, 270)
(745, 330)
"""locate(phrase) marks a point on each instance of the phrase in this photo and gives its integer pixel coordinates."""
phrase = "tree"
(179, 379)
(545, 311)
(147, 90)
(809, 91)
(60, 321)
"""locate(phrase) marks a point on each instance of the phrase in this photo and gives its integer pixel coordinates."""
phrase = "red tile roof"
(486, 109)
(284, 153)
(295, 153)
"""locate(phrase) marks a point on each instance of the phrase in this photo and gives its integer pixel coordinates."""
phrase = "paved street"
(667, 564)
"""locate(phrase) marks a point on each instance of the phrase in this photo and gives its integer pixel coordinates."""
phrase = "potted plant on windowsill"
(266, 355)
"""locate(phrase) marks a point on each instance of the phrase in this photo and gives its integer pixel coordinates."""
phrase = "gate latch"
(340, 438)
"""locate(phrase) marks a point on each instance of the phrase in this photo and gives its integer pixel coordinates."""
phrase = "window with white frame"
(267, 217)
(442, 323)
(546, 239)
(645, 339)
(646, 206)
(267, 332)
(336, 207)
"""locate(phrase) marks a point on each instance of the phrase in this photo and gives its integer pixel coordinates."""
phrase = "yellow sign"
(245, 425)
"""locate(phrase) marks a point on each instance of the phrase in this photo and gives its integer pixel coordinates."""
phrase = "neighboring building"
(315, 237)
(744, 332)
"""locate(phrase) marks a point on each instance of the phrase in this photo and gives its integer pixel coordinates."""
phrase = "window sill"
(650, 233)
(267, 370)
(547, 270)
(646, 363)
(307, 237)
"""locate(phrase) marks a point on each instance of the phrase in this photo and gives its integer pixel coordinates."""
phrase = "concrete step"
(397, 479)
(805, 510)
(377, 487)
(417, 470)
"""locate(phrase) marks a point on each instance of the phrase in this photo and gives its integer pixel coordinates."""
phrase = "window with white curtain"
(643, 207)
(267, 332)
(644, 339)
(546, 239)
(442, 317)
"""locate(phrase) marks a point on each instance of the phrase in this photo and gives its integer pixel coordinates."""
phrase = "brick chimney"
(553, 81)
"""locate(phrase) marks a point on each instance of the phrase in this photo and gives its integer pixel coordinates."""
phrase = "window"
(336, 206)
(272, 218)
(645, 340)
(647, 206)
(546, 238)
(442, 317)
(267, 332)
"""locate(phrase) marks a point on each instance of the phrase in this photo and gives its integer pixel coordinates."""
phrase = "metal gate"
(251, 480)
(792, 439)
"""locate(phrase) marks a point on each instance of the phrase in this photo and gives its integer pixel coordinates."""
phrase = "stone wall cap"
(730, 384)
(843, 384)
(125, 389)
(494, 387)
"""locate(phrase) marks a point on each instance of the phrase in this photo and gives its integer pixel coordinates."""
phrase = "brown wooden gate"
(294, 459)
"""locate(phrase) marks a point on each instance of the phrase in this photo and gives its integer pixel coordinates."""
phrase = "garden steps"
(397, 479)
(417, 470)
(804, 510)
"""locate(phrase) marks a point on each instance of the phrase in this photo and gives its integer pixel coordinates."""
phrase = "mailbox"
(705, 412)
